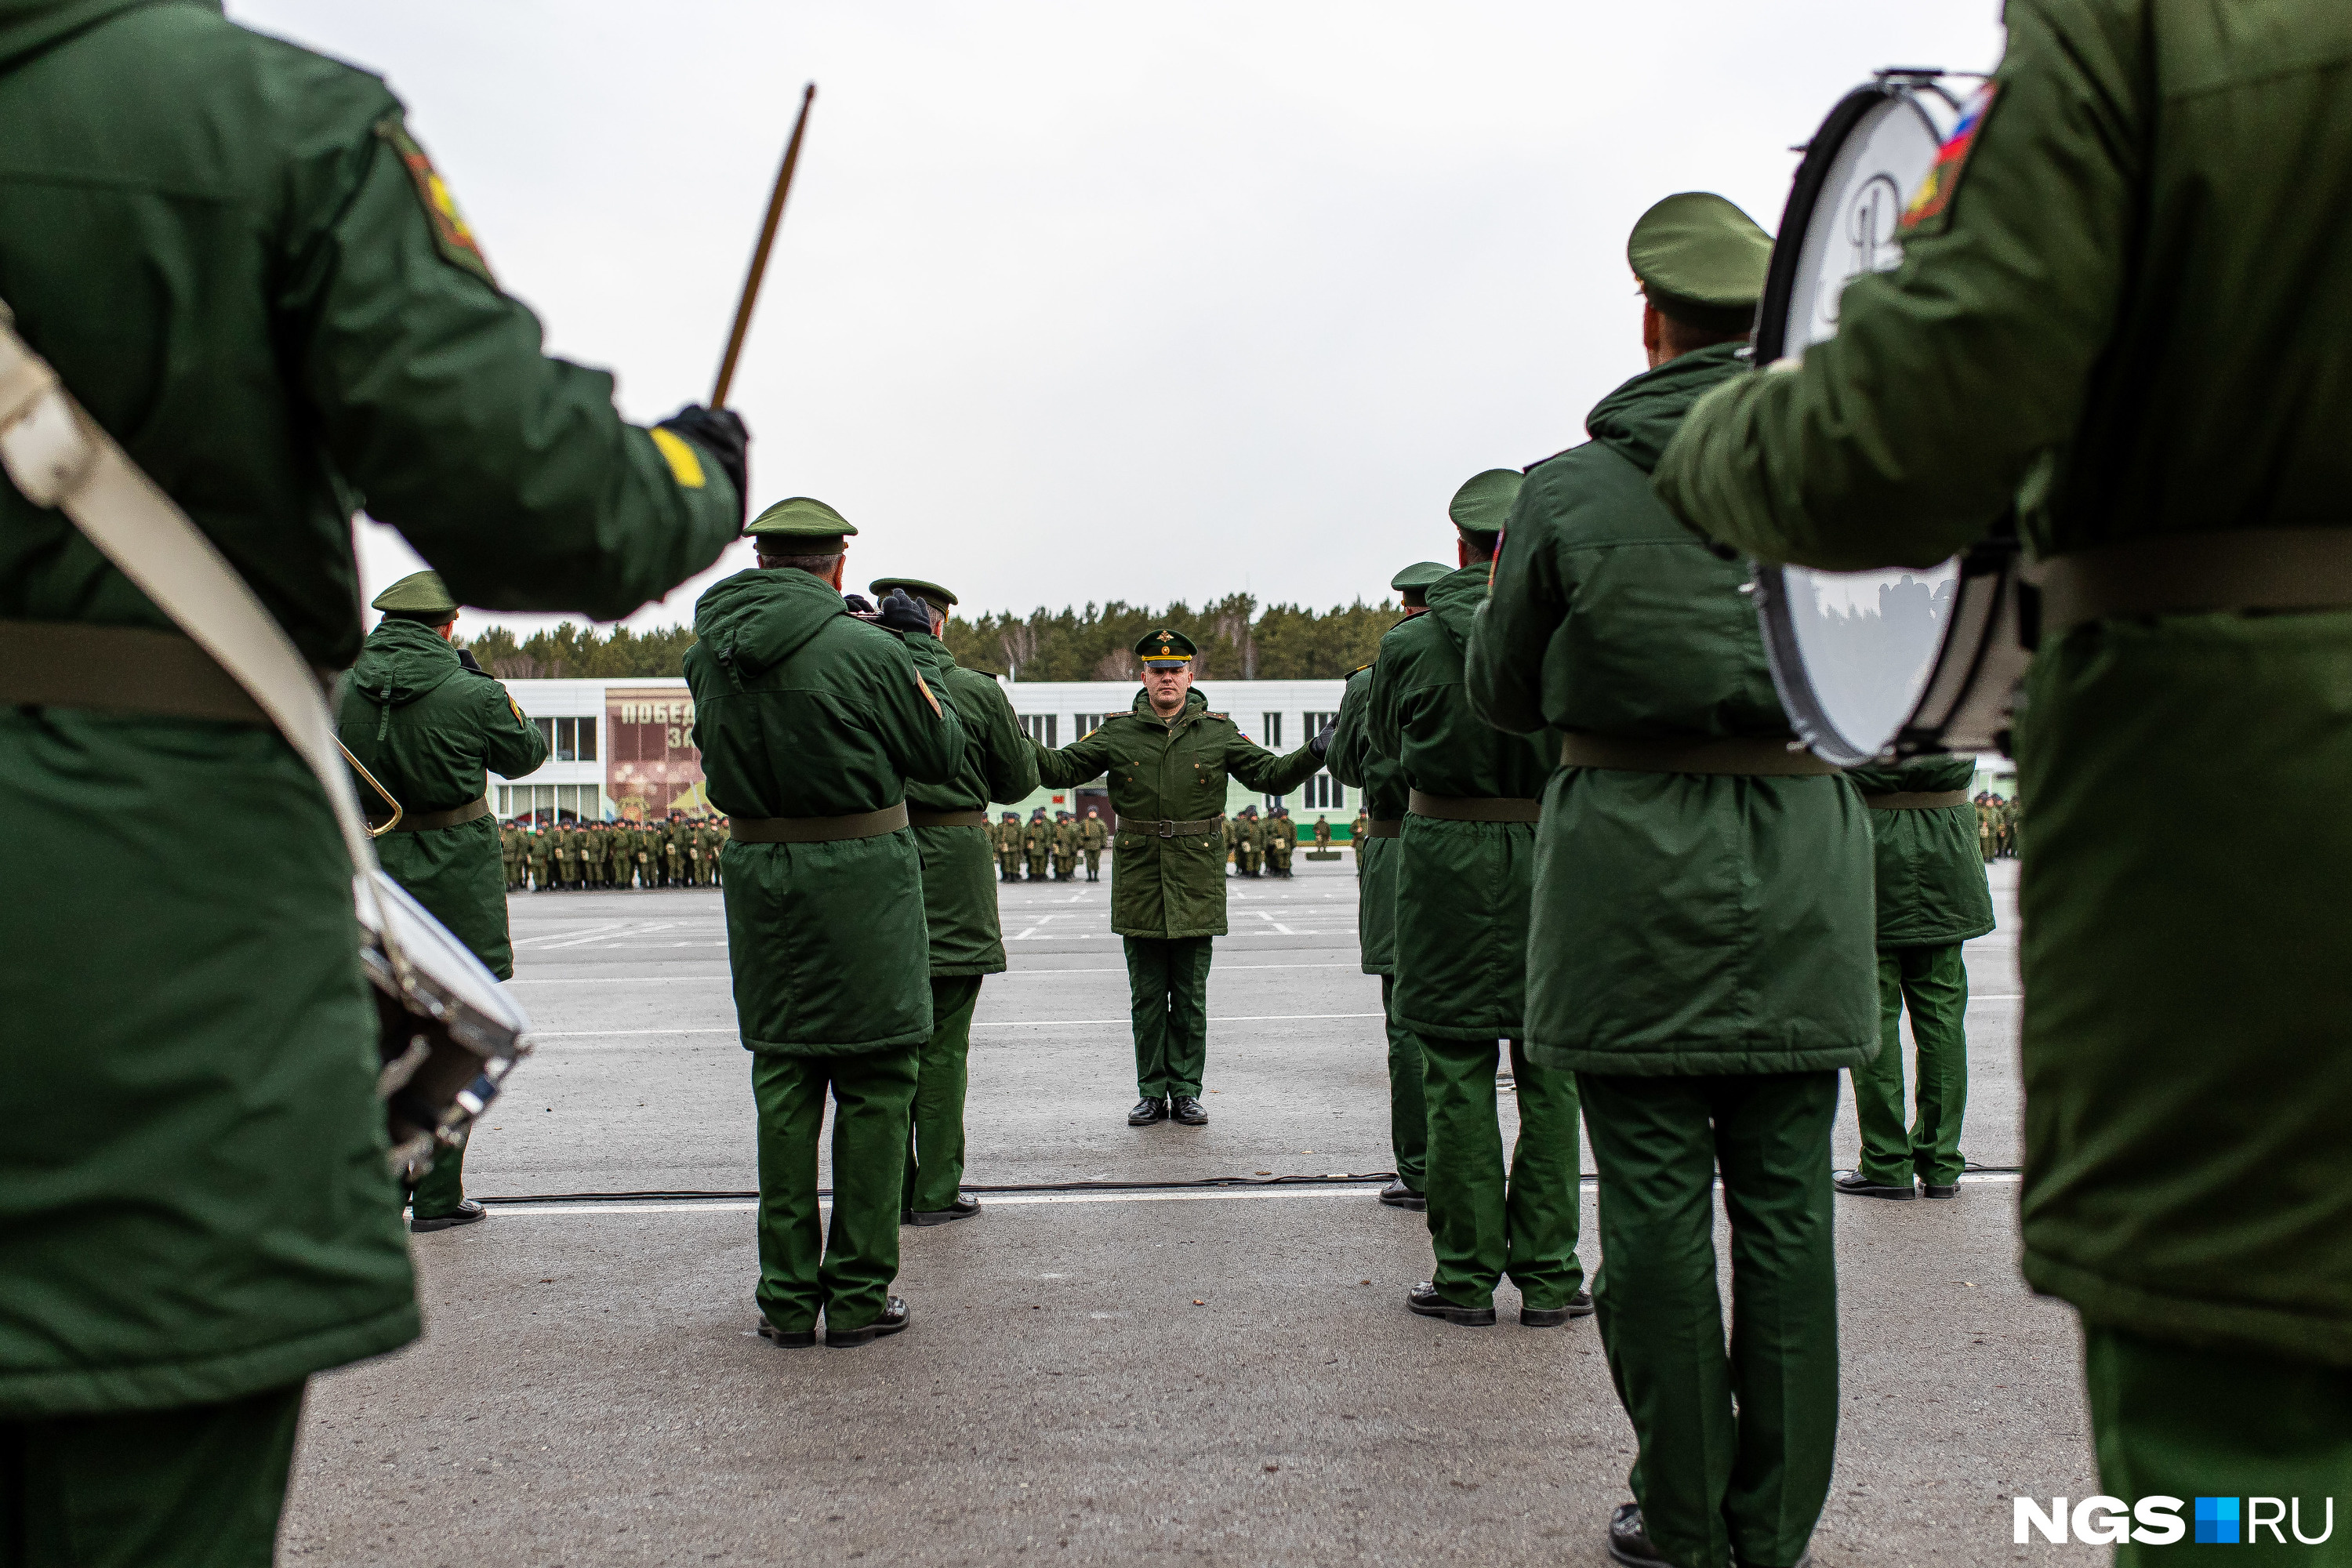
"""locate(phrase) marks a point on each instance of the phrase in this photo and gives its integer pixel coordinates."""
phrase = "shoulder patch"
(1931, 205)
(679, 453)
(1212, 715)
(452, 236)
(521, 717)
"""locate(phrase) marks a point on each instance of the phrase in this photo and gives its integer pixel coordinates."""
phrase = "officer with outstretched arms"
(425, 723)
(241, 263)
(1700, 949)
(958, 856)
(2122, 308)
(1168, 761)
(1464, 864)
(1380, 783)
(811, 721)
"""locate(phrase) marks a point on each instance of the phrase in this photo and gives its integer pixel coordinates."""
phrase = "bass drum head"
(472, 1007)
(1851, 651)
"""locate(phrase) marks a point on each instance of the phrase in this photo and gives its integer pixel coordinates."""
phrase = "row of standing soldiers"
(1050, 848)
(1257, 845)
(1996, 822)
(680, 852)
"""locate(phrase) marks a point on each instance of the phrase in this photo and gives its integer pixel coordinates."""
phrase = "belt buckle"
(1166, 827)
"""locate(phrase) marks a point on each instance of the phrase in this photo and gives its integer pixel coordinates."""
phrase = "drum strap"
(1472, 808)
(1915, 799)
(817, 829)
(1757, 755)
(1375, 828)
(918, 817)
(456, 816)
(2185, 574)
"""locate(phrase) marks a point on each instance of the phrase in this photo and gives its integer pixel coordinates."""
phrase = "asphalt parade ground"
(1107, 1365)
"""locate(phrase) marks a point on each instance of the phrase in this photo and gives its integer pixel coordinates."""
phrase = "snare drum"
(449, 1036)
(1909, 660)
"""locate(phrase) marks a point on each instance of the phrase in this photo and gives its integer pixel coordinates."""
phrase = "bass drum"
(1869, 663)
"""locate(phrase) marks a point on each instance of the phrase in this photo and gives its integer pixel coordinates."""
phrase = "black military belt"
(118, 669)
(918, 817)
(1472, 808)
(1758, 754)
(1915, 799)
(1374, 828)
(816, 829)
(424, 821)
(2183, 573)
(1169, 830)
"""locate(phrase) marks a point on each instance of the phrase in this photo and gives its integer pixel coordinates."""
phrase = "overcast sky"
(1085, 301)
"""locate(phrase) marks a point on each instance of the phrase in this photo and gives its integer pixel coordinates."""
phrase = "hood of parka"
(757, 619)
(1454, 599)
(1640, 417)
(28, 27)
(402, 660)
(1193, 703)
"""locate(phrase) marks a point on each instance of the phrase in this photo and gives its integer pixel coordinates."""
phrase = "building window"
(1089, 722)
(568, 739)
(1269, 733)
(549, 804)
(1045, 729)
(1324, 793)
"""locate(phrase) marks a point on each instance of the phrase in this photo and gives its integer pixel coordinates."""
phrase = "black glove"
(901, 614)
(720, 434)
(1321, 744)
(859, 605)
(465, 657)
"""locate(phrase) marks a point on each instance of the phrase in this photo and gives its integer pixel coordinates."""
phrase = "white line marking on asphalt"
(979, 1024)
(592, 931)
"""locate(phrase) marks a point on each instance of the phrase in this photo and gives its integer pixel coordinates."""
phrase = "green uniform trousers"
(1167, 986)
(1094, 865)
(2170, 1420)
(1934, 982)
(197, 1485)
(441, 1189)
(1735, 1448)
(935, 1129)
(1483, 1224)
(843, 1271)
(1408, 1105)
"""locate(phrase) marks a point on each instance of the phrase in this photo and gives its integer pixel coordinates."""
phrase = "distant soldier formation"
(1996, 822)
(680, 850)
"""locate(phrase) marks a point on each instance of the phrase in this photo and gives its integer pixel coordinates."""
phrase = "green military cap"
(940, 598)
(1422, 573)
(419, 594)
(1701, 260)
(1164, 645)
(802, 525)
(1484, 501)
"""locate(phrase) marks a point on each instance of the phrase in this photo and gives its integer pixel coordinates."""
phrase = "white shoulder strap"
(58, 456)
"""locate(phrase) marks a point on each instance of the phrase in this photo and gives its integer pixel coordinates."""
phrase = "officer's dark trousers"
(844, 1270)
(1934, 984)
(935, 1129)
(441, 1189)
(1736, 1445)
(1408, 1105)
(2172, 1421)
(1167, 985)
(1484, 1222)
(197, 1486)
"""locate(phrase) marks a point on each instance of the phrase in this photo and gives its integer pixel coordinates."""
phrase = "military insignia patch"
(679, 453)
(520, 718)
(452, 236)
(926, 691)
(1931, 205)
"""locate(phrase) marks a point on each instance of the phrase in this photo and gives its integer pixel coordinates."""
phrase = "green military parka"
(801, 710)
(960, 863)
(1689, 924)
(1931, 874)
(427, 727)
(1171, 770)
(1381, 782)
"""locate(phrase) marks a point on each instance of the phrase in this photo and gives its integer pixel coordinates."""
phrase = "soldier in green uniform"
(563, 853)
(537, 852)
(1008, 848)
(1168, 761)
(959, 855)
(427, 726)
(1066, 847)
(1701, 938)
(1281, 838)
(1230, 832)
(1249, 843)
(1464, 869)
(596, 855)
(1379, 782)
(1932, 897)
(811, 721)
(1092, 836)
(201, 1215)
(2121, 307)
(510, 852)
(1036, 843)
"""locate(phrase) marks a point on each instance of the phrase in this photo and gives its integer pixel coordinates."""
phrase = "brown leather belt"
(2184, 574)
(1915, 799)
(1472, 808)
(1760, 755)
(424, 821)
(1205, 825)
(816, 829)
(118, 669)
(1375, 828)
(920, 816)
